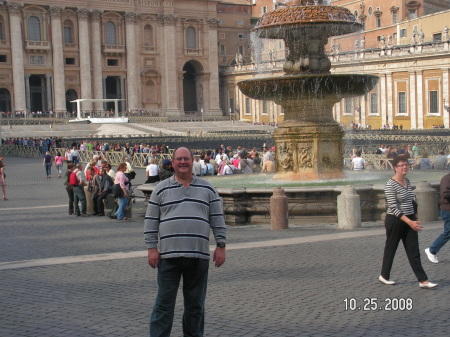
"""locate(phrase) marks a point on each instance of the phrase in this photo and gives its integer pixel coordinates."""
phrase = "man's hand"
(153, 257)
(219, 256)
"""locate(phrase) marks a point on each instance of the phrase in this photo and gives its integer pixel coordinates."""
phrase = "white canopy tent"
(115, 100)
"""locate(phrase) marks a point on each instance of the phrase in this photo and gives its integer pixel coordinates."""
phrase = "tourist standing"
(123, 181)
(3, 178)
(401, 224)
(191, 207)
(415, 149)
(69, 187)
(445, 215)
(75, 155)
(47, 163)
(425, 162)
(78, 180)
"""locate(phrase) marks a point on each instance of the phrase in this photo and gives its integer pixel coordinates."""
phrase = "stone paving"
(274, 283)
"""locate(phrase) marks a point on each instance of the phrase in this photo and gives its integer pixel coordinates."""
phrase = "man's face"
(182, 161)
(101, 172)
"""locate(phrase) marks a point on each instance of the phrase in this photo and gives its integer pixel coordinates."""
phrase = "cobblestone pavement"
(304, 281)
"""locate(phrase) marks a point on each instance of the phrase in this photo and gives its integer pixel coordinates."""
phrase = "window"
(221, 22)
(3, 58)
(247, 106)
(363, 23)
(110, 33)
(148, 36)
(191, 41)
(348, 106)
(112, 62)
(239, 22)
(70, 60)
(263, 9)
(240, 36)
(378, 21)
(402, 102)
(68, 35)
(434, 102)
(437, 37)
(241, 50)
(403, 32)
(1, 30)
(374, 103)
(394, 17)
(264, 107)
(222, 49)
(232, 104)
(34, 29)
(412, 14)
(370, 10)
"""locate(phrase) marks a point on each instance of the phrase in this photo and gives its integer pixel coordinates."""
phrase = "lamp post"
(201, 110)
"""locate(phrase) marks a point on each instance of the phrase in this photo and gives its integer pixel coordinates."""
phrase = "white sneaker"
(427, 285)
(388, 282)
(431, 257)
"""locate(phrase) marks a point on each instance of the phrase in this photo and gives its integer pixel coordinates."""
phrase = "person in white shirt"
(358, 163)
(197, 166)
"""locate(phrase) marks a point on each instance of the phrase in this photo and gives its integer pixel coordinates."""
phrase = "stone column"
(213, 88)
(419, 95)
(349, 209)
(104, 91)
(15, 29)
(427, 201)
(85, 61)
(58, 60)
(48, 82)
(390, 106)
(27, 92)
(363, 110)
(279, 210)
(122, 93)
(445, 95)
(383, 99)
(412, 100)
(97, 80)
(169, 64)
(130, 19)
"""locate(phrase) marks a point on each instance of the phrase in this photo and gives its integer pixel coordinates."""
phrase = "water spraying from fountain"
(309, 142)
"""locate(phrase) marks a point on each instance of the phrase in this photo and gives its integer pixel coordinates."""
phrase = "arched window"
(151, 91)
(148, 36)
(191, 40)
(1, 30)
(110, 33)
(34, 29)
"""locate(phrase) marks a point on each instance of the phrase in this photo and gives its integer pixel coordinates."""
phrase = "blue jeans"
(121, 210)
(445, 236)
(195, 278)
(48, 169)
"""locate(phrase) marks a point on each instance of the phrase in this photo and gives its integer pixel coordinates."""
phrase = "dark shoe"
(94, 213)
(100, 214)
(84, 214)
(78, 214)
(71, 213)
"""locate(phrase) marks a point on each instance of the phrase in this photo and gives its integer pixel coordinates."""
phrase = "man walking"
(445, 215)
(180, 213)
(77, 180)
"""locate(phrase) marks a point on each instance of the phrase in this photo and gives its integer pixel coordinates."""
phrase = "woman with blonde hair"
(122, 181)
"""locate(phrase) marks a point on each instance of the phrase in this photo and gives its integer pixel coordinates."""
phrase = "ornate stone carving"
(131, 17)
(167, 19)
(284, 155)
(212, 22)
(95, 15)
(56, 11)
(83, 13)
(305, 156)
(71, 78)
(14, 8)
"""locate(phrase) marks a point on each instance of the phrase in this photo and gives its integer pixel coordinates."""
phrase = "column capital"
(56, 11)
(83, 13)
(95, 15)
(212, 22)
(131, 17)
(166, 19)
(14, 8)
(48, 75)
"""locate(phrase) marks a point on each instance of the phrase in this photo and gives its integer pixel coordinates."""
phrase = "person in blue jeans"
(180, 215)
(445, 215)
(123, 181)
(48, 164)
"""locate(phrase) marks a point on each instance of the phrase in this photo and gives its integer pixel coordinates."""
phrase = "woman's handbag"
(117, 190)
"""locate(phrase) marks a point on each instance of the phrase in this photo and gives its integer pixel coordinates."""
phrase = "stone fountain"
(309, 142)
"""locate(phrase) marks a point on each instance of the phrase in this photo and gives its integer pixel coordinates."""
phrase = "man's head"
(182, 162)
(70, 166)
(79, 166)
(101, 171)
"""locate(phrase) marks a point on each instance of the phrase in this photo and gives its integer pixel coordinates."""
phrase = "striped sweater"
(398, 198)
(181, 218)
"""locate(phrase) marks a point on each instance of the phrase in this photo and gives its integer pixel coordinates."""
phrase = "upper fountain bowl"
(281, 22)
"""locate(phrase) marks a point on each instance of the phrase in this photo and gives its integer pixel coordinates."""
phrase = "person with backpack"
(77, 180)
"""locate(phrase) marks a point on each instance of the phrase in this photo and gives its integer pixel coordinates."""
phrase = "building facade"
(157, 55)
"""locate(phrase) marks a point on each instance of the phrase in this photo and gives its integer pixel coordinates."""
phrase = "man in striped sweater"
(180, 213)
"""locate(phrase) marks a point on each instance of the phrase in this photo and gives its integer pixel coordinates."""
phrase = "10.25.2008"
(375, 304)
